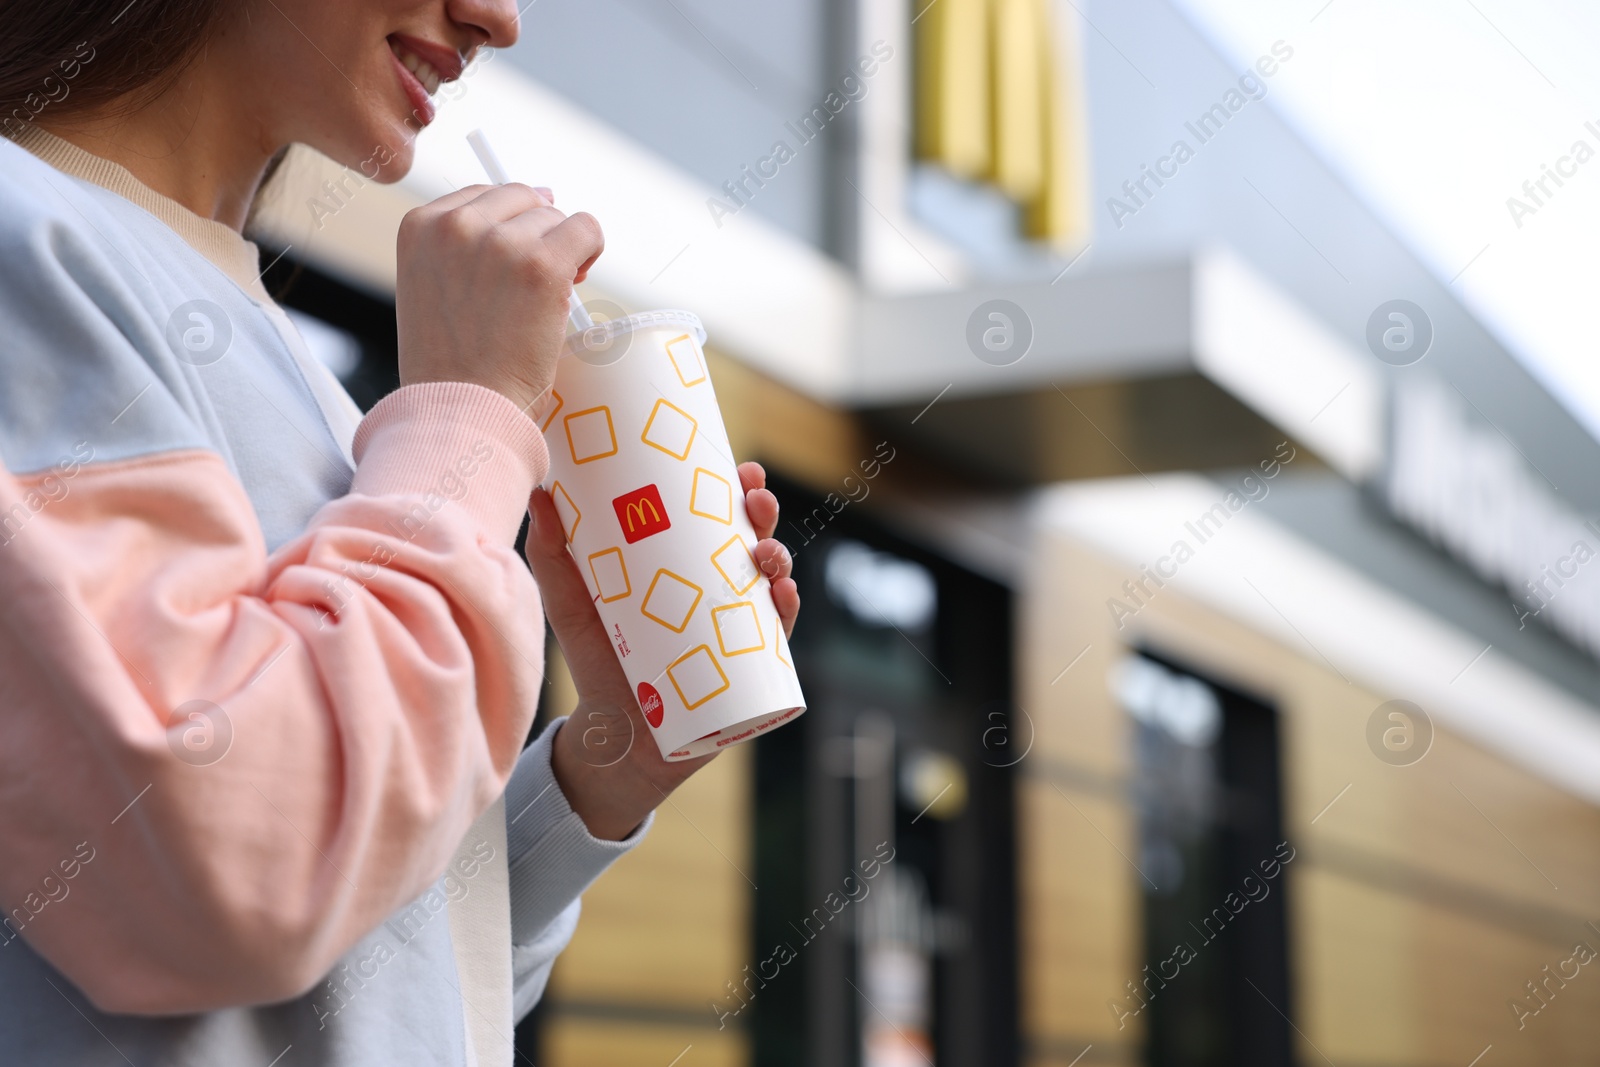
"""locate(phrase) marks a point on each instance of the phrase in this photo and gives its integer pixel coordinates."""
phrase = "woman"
(266, 667)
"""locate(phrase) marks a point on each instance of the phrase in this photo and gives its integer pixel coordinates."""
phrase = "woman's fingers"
(493, 203)
(762, 507)
(752, 475)
(773, 559)
(558, 249)
(566, 598)
(759, 503)
(451, 200)
(786, 598)
(482, 288)
(776, 563)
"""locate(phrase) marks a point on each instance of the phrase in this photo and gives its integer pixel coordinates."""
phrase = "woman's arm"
(220, 768)
(262, 756)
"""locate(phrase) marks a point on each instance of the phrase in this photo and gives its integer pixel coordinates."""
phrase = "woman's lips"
(422, 67)
(421, 104)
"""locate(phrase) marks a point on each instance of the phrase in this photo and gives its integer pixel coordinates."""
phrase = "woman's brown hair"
(66, 56)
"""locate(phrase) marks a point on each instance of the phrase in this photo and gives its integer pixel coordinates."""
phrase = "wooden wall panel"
(1081, 906)
(1460, 812)
(668, 925)
(1421, 900)
(608, 1043)
(1391, 978)
(1079, 919)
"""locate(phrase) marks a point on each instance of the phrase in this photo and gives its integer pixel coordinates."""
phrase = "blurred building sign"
(989, 107)
(1457, 480)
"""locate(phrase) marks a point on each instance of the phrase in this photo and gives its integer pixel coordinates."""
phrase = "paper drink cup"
(648, 493)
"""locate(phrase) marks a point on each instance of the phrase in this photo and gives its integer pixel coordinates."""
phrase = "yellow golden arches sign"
(990, 106)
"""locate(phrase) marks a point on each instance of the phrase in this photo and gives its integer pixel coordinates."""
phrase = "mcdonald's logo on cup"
(641, 513)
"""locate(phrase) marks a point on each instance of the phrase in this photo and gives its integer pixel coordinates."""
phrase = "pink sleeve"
(219, 768)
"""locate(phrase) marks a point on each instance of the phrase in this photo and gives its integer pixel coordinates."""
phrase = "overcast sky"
(1437, 111)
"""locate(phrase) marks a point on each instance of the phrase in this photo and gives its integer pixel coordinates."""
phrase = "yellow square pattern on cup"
(545, 413)
(738, 628)
(590, 434)
(610, 575)
(566, 510)
(669, 429)
(671, 600)
(686, 360)
(781, 646)
(736, 565)
(697, 677)
(711, 497)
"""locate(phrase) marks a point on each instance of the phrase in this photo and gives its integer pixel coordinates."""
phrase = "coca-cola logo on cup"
(650, 704)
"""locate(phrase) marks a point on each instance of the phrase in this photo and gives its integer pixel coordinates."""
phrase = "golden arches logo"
(998, 100)
(634, 513)
(641, 513)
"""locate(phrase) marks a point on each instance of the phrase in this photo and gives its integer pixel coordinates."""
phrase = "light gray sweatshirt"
(265, 669)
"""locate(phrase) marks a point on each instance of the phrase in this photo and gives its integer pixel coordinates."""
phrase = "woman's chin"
(384, 158)
(397, 166)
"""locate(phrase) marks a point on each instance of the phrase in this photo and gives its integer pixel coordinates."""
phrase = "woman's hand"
(604, 758)
(484, 279)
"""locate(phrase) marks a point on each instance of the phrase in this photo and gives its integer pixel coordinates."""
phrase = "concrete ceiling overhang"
(1195, 363)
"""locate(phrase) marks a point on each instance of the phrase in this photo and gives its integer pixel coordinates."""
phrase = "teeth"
(423, 72)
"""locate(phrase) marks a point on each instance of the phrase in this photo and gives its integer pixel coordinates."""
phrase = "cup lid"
(602, 333)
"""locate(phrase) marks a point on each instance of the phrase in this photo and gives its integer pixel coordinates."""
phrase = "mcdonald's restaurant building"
(1200, 620)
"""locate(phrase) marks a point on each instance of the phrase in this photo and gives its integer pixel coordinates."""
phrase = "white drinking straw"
(577, 314)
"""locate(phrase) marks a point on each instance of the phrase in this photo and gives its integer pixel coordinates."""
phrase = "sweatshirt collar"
(236, 257)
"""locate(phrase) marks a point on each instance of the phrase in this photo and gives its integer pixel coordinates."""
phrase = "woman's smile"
(422, 67)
